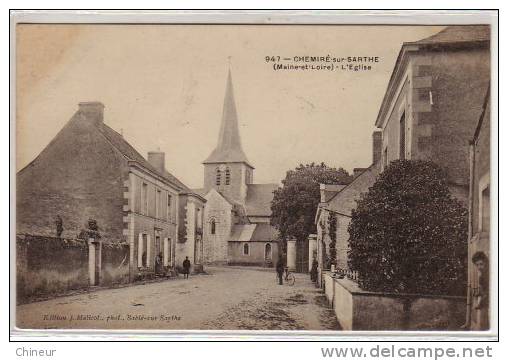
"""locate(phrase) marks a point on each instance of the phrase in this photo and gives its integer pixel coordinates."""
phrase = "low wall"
(357, 309)
(115, 264)
(47, 266)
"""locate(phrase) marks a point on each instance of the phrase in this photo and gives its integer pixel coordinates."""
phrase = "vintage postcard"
(268, 177)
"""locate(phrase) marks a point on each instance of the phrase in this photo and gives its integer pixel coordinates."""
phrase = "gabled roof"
(345, 200)
(259, 199)
(229, 147)
(129, 152)
(458, 34)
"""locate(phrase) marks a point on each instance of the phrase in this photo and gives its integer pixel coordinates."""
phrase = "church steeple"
(229, 147)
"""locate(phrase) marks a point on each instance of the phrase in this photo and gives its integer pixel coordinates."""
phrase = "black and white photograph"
(253, 177)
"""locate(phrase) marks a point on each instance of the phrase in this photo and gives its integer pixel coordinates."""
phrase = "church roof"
(242, 233)
(229, 147)
(258, 232)
(259, 199)
(264, 232)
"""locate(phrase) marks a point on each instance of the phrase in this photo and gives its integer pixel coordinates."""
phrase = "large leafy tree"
(294, 204)
(408, 234)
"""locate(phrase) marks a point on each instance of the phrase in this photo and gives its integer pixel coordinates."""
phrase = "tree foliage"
(294, 204)
(408, 234)
(332, 221)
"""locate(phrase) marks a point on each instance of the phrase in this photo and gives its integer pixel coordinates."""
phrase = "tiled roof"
(264, 232)
(128, 151)
(260, 232)
(259, 198)
(242, 233)
(344, 201)
(458, 33)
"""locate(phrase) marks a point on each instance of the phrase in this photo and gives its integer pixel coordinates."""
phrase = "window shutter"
(148, 250)
(140, 249)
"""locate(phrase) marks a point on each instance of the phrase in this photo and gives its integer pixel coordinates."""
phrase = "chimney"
(157, 159)
(92, 112)
(358, 171)
(377, 143)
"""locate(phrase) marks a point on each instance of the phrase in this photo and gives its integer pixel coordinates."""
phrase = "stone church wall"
(215, 247)
(237, 188)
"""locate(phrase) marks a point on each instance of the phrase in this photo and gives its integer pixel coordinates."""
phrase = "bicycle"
(287, 277)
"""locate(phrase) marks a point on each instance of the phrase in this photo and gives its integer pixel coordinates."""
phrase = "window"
(167, 252)
(158, 195)
(212, 226)
(268, 251)
(144, 199)
(199, 220)
(228, 176)
(168, 208)
(245, 249)
(143, 250)
(402, 137)
(484, 203)
(486, 210)
(217, 177)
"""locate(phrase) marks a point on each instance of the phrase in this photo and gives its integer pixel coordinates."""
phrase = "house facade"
(430, 111)
(479, 223)
(338, 201)
(237, 214)
(433, 101)
(90, 172)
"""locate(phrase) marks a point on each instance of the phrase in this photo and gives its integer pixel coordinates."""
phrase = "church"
(237, 214)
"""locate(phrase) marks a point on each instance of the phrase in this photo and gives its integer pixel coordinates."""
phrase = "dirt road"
(224, 299)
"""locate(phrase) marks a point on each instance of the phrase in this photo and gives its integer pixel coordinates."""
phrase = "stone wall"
(49, 266)
(256, 254)
(459, 81)
(215, 246)
(357, 309)
(115, 263)
(237, 188)
(78, 176)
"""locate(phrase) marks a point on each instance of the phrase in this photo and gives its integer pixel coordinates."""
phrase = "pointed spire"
(229, 147)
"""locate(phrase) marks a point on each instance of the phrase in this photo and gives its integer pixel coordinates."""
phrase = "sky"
(163, 88)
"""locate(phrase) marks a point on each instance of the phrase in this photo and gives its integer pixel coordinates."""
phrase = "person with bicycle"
(280, 267)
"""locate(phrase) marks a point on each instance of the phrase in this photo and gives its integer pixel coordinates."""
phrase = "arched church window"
(246, 249)
(228, 176)
(212, 226)
(217, 177)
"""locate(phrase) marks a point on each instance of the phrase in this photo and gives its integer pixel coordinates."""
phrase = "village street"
(227, 298)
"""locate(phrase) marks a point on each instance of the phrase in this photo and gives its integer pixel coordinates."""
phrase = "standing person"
(158, 264)
(481, 294)
(280, 269)
(313, 270)
(59, 226)
(186, 267)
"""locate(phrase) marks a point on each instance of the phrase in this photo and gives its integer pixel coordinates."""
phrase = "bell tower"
(227, 168)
